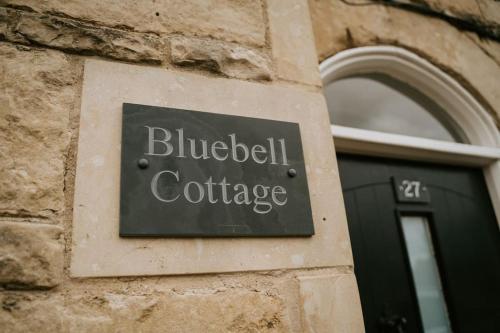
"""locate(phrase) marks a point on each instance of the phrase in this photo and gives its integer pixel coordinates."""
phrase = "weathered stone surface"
(293, 41)
(490, 10)
(339, 26)
(240, 20)
(331, 304)
(489, 47)
(74, 36)
(31, 255)
(220, 57)
(38, 90)
(465, 15)
(481, 11)
(229, 311)
(454, 7)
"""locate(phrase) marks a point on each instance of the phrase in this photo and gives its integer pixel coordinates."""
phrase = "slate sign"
(410, 190)
(196, 174)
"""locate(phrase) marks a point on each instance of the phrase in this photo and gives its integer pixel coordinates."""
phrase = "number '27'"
(411, 188)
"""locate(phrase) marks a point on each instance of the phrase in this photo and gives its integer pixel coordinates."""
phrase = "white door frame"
(476, 125)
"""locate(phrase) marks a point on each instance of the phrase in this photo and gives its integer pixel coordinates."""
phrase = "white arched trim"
(473, 120)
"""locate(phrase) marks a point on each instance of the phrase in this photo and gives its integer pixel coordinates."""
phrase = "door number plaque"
(410, 190)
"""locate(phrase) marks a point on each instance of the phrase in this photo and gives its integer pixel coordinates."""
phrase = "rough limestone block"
(74, 36)
(292, 41)
(331, 304)
(38, 91)
(31, 255)
(490, 10)
(241, 21)
(458, 8)
(220, 57)
(229, 311)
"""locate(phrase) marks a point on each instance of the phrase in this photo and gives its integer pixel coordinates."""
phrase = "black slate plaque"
(194, 174)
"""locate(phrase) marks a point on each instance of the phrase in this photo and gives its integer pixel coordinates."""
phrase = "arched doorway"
(419, 164)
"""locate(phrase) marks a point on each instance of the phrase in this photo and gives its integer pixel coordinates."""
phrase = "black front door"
(426, 245)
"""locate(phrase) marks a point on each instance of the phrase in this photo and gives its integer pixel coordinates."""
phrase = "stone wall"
(43, 47)
(461, 37)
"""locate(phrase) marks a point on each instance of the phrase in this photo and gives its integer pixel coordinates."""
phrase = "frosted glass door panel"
(425, 274)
